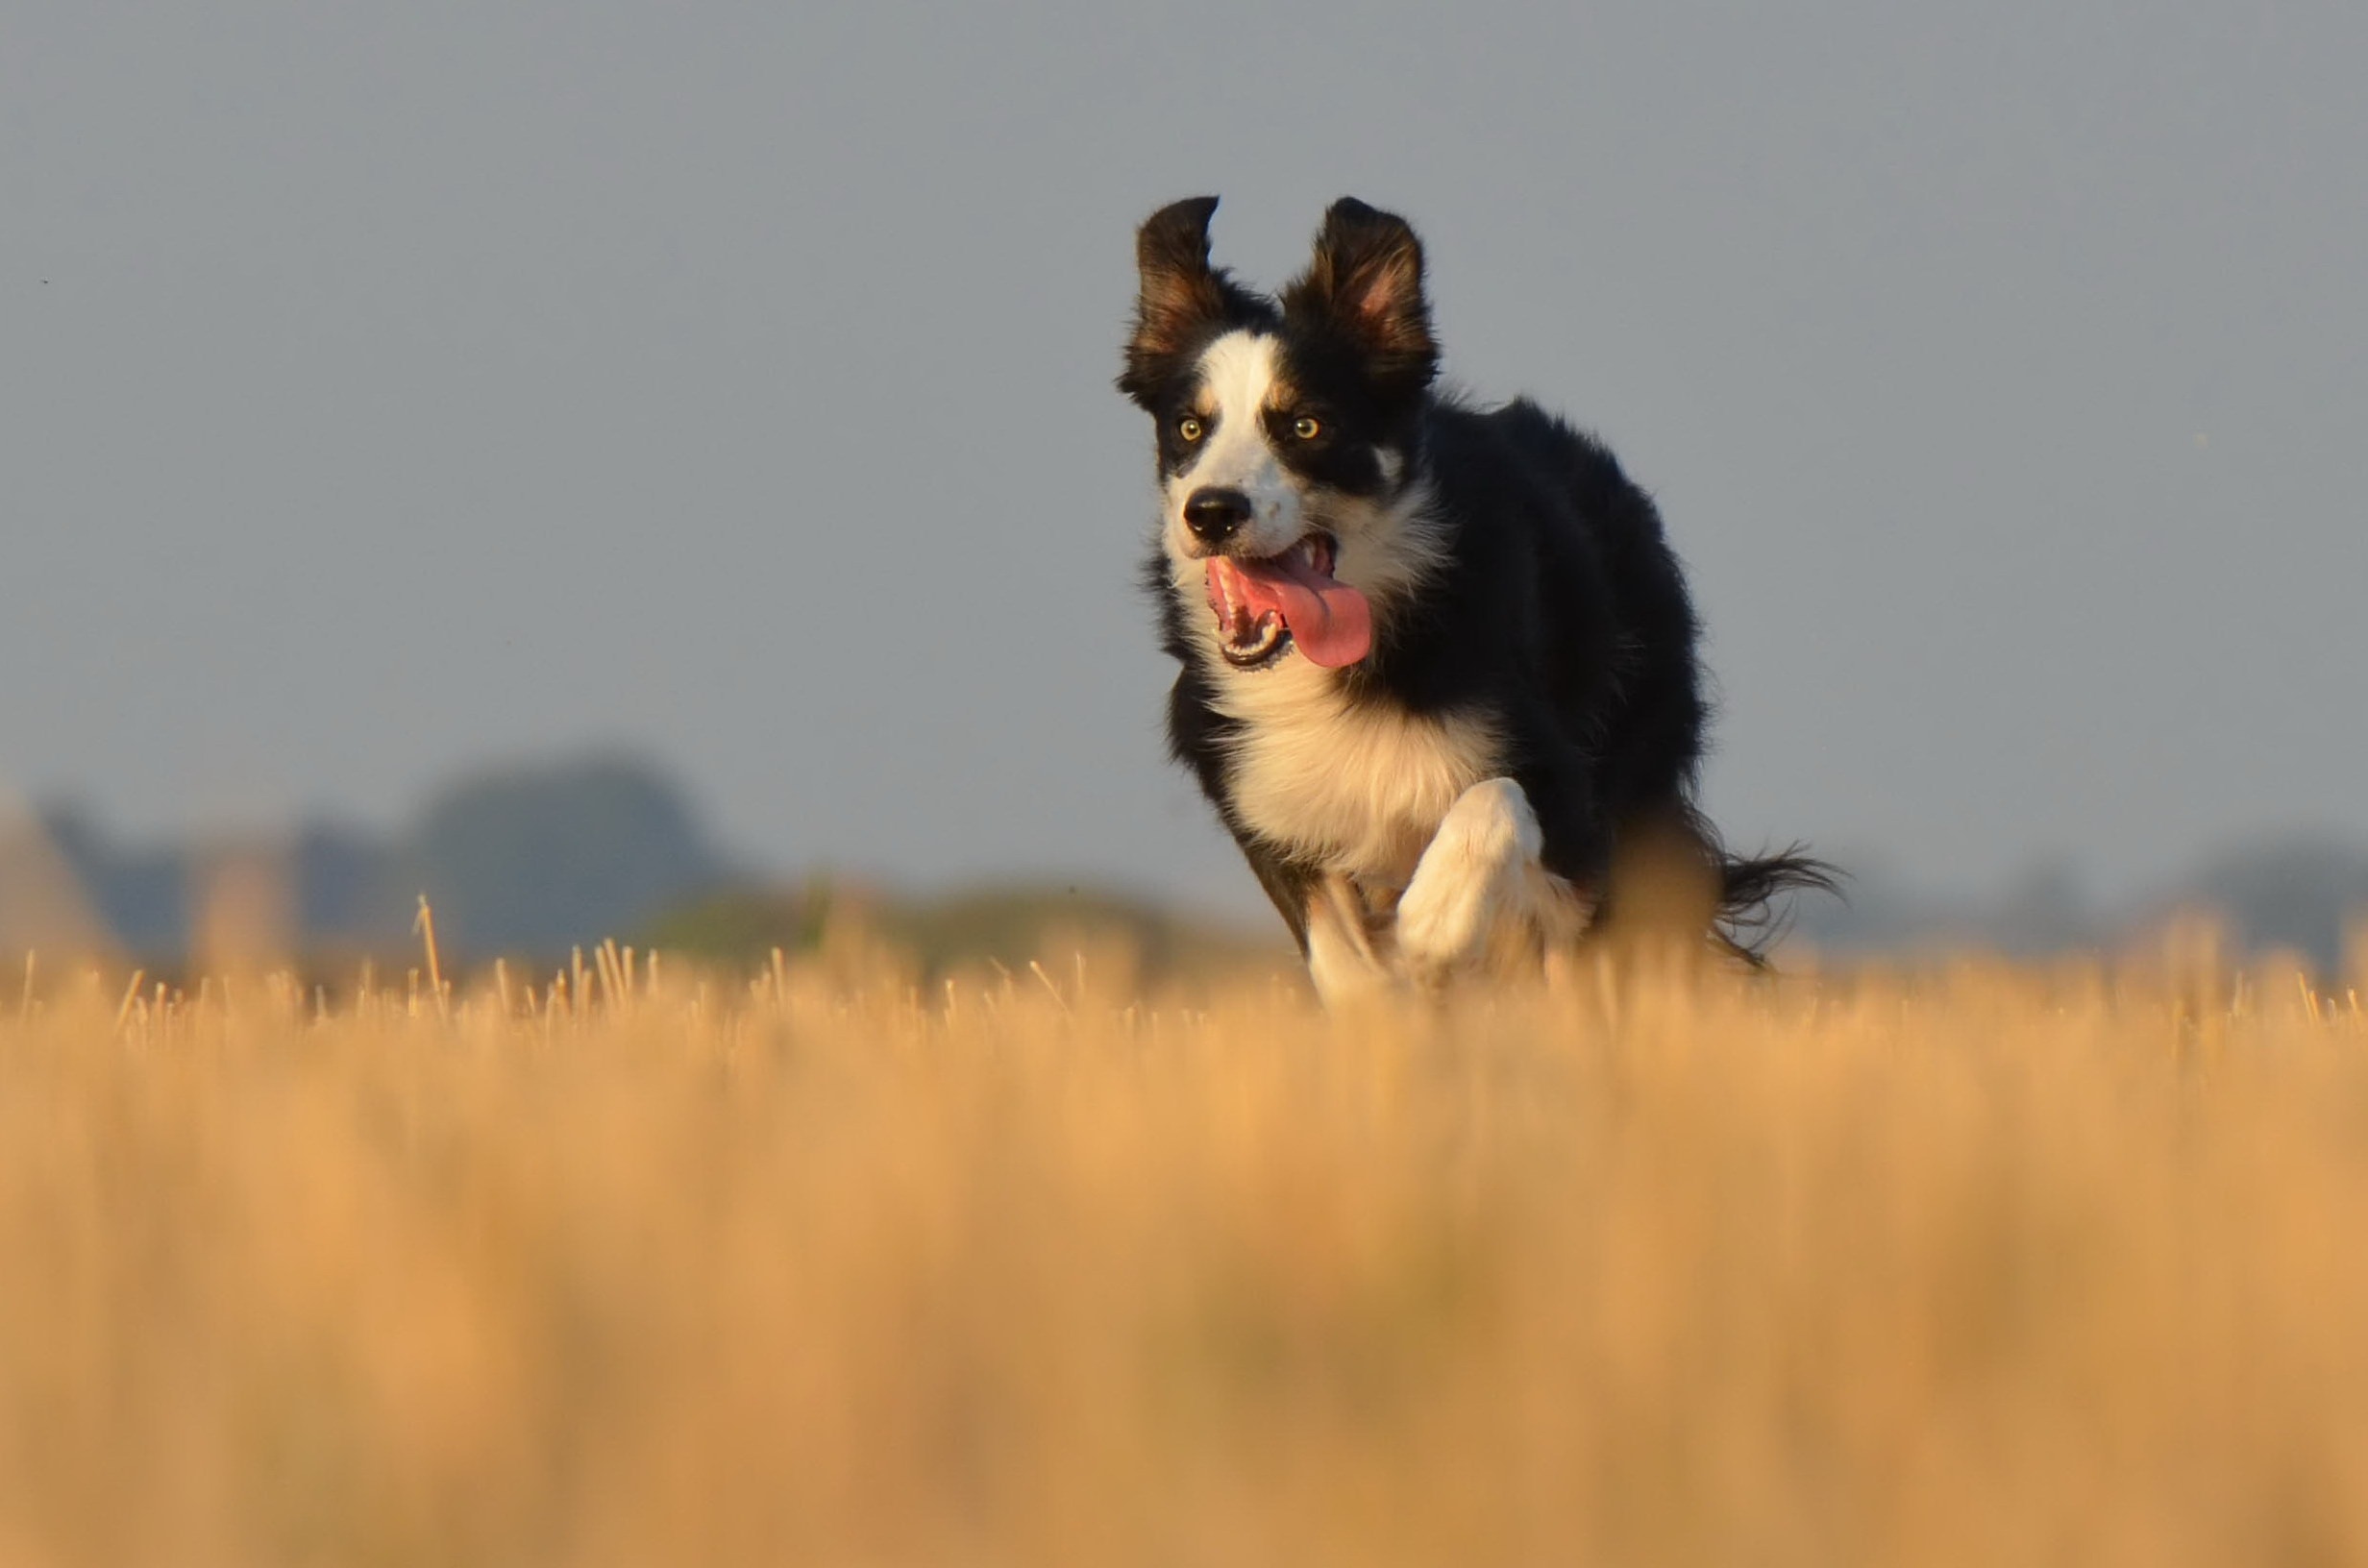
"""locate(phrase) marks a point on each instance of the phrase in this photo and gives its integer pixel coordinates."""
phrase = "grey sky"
(385, 389)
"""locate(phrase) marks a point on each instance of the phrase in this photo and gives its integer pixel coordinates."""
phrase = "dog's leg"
(1340, 957)
(1479, 896)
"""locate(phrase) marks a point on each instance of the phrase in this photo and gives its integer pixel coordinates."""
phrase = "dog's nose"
(1215, 515)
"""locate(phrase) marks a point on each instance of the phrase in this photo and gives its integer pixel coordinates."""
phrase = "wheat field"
(637, 1266)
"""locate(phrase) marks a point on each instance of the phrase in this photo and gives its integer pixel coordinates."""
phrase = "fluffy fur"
(1513, 760)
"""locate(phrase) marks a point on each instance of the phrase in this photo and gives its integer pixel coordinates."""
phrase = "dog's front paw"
(1471, 879)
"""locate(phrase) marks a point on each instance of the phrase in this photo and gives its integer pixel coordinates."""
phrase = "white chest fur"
(1354, 788)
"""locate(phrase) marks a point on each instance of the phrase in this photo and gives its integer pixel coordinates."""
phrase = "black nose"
(1213, 515)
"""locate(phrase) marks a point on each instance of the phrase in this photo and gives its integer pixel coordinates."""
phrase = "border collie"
(1439, 673)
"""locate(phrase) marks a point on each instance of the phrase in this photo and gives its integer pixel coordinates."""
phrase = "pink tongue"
(1329, 621)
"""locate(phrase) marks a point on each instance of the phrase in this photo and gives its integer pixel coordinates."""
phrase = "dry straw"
(1981, 1265)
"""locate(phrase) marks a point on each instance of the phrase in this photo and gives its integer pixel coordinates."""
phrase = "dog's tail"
(1750, 916)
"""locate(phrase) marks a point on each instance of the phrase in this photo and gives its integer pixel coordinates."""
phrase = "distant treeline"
(532, 860)
(2305, 893)
(526, 860)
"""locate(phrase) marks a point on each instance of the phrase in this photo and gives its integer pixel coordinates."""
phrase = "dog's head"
(1287, 429)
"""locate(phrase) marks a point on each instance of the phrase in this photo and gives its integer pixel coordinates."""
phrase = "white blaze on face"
(1238, 372)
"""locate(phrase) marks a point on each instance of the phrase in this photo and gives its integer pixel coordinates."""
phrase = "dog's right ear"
(1180, 294)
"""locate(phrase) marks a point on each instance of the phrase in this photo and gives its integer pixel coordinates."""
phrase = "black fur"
(1561, 611)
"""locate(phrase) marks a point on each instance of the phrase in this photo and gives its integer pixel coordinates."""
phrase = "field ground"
(1986, 1266)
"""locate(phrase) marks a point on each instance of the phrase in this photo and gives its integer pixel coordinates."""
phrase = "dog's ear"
(1181, 292)
(1365, 280)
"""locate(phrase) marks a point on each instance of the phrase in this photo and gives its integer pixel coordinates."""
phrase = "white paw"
(1474, 875)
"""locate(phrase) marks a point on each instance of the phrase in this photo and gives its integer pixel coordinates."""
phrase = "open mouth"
(1265, 608)
(1252, 645)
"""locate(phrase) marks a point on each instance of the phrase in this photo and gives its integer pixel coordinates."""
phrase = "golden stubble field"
(1984, 1265)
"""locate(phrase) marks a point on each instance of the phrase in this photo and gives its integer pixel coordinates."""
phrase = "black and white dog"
(1438, 673)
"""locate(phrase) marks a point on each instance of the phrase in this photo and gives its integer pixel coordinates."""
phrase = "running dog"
(1439, 671)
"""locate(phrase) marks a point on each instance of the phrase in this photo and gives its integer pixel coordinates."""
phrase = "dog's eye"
(1305, 427)
(1188, 428)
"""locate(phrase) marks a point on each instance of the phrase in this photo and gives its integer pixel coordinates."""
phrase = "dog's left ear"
(1365, 280)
